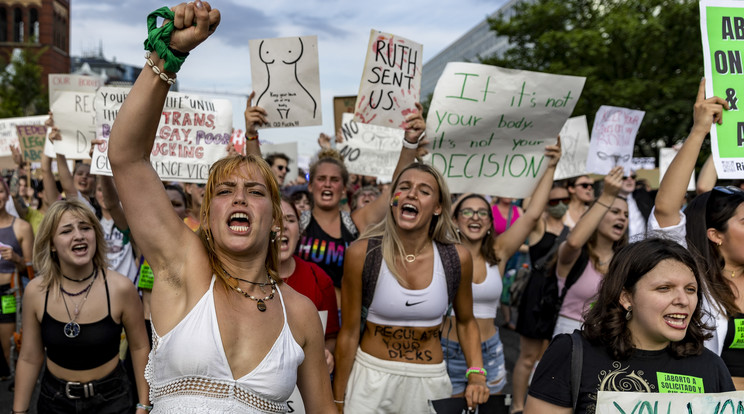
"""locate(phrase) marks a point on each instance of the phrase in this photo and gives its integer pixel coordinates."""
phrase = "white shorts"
(380, 386)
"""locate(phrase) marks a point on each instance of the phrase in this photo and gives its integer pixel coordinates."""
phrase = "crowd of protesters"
(215, 304)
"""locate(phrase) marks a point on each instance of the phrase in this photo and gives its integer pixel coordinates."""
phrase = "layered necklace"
(260, 303)
(72, 328)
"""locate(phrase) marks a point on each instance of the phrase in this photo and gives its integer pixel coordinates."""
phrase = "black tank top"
(97, 343)
(542, 247)
(327, 252)
(733, 346)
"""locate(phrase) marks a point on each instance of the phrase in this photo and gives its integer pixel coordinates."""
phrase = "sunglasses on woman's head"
(729, 189)
(469, 212)
(554, 201)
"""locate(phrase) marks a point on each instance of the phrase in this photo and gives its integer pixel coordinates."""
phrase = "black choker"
(83, 279)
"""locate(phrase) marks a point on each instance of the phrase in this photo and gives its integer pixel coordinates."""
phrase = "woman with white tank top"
(474, 221)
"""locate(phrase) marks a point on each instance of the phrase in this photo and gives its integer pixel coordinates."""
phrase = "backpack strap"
(577, 360)
(576, 271)
(452, 270)
(305, 217)
(540, 263)
(370, 273)
(348, 223)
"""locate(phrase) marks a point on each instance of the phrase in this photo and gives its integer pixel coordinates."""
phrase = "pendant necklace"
(410, 258)
(72, 328)
(260, 303)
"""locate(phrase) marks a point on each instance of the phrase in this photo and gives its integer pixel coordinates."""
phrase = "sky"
(221, 64)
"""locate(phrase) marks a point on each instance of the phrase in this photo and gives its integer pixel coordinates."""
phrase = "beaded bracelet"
(157, 70)
(475, 370)
(251, 137)
(147, 408)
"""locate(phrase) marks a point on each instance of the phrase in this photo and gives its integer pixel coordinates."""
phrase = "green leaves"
(21, 90)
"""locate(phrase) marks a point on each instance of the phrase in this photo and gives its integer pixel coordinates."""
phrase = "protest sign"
(71, 101)
(286, 79)
(666, 155)
(391, 80)
(290, 150)
(9, 136)
(614, 402)
(613, 138)
(722, 27)
(370, 149)
(193, 133)
(32, 139)
(342, 105)
(489, 126)
(575, 147)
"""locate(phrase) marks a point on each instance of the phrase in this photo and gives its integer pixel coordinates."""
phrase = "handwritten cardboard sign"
(342, 105)
(32, 139)
(613, 402)
(193, 133)
(489, 126)
(575, 148)
(71, 100)
(666, 156)
(370, 149)
(391, 80)
(286, 79)
(613, 138)
(643, 163)
(9, 136)
(723, 42)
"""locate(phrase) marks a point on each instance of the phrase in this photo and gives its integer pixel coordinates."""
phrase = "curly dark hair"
(605, 323)
(489, 240)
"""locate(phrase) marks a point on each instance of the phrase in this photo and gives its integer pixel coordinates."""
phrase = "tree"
(21, 90)
(639, 54)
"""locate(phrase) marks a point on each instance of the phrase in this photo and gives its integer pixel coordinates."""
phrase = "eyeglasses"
(585, 185)
(729, 189)
(282, 168)
(201, 185)
(469, 212)
(633, 176)
(554, 201)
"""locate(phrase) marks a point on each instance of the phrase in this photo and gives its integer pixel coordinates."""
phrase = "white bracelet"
(157, 70)
(410, 145)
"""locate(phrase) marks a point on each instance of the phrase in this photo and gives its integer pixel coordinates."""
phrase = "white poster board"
(391, 80)
(71, 101)
(575, 147)
(370, 149)
(289, 149)
(613, 138)
(666, 155)
(285, 77)
(9, 136)
(193, 133)
(489, 126)
(642, 163)
(613, 402)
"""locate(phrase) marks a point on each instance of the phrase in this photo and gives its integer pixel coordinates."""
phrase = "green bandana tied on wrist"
(158, 39)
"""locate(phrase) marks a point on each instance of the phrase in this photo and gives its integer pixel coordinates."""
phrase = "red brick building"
(36, 24)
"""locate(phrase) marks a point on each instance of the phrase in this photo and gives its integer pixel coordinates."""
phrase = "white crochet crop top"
(188, 371)
(394, 305)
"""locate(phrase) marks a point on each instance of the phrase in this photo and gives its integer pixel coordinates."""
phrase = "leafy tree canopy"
(21, 90)
(639, 54)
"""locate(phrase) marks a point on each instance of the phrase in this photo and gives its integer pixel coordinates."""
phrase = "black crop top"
(97, 343)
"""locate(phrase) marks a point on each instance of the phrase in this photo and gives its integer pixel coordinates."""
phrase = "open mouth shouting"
(408, 211)
(676, 320)
(284, 243)
(239, 222)
(80, 249)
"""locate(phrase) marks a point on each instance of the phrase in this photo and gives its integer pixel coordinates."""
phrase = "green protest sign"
(722, 26)
(31, 138)
(687, 402)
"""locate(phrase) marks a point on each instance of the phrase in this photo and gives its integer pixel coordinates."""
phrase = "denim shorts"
(493, 359)
(110, 394)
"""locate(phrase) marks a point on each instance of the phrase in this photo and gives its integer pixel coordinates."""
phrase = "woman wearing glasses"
(715, 231)
(474, 221)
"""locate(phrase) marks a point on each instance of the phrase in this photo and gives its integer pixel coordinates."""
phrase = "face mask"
(558, 210)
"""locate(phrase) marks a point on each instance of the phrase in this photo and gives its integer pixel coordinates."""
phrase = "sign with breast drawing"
(285, 77)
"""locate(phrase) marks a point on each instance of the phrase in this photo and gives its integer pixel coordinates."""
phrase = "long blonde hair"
(46, 261)
(441, 228)
(217, 173)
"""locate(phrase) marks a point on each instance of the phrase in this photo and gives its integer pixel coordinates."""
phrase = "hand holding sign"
(255, 116)
(553, 153)
(613, 181)
(194, 23)
(707, 111)
(415, 125)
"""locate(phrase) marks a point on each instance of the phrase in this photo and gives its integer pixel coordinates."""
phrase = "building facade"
(37, 24)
